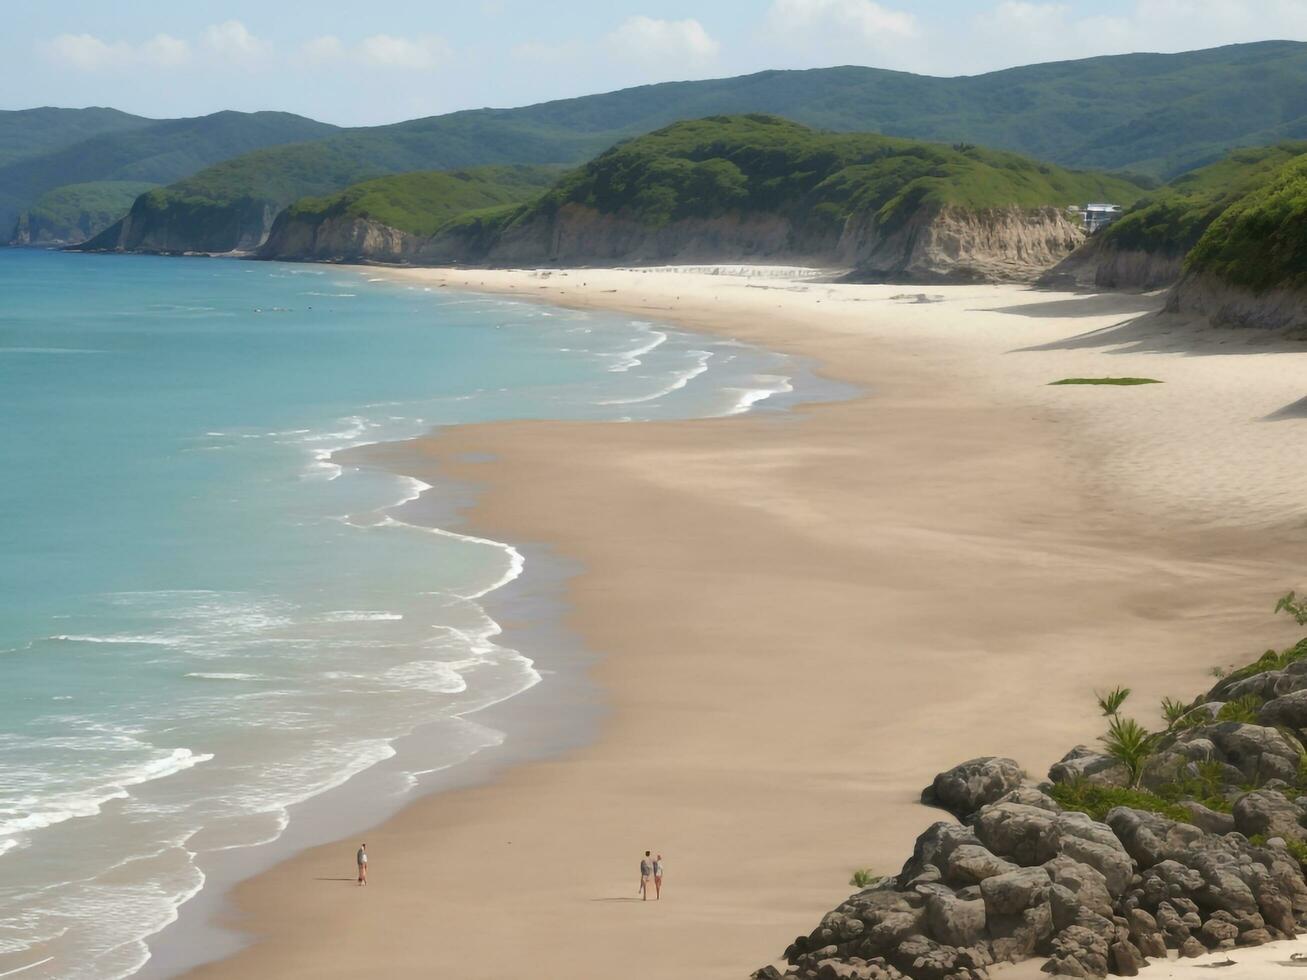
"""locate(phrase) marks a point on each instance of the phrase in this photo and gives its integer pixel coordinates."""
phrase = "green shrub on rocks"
(864, 878)
(1242, 709)
(1097, 801)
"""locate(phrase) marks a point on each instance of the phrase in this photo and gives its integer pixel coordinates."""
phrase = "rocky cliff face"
(30, 229)
(185, 226)
(1097, 263)
(1000, 244)
(948, 245)
(1226, 305)
(339, 240)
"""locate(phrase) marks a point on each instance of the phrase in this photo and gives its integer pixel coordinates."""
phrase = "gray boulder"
(933, 848)
(1289, 710)
(1268, 813)
(1267, 685)
(1015, 891)
(1030, 836)
(1083, 763)
(955, 922)
(1087, 886)
(970, 864)
(1212, 821)
(967, 787)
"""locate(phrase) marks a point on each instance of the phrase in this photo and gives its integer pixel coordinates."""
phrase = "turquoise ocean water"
(203, 621)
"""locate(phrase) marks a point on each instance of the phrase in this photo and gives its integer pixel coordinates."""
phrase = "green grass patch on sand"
(1106, 381)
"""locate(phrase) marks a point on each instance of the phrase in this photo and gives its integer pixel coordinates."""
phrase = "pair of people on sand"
(651, 867)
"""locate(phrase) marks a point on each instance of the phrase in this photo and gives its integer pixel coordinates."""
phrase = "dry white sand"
(802, 618)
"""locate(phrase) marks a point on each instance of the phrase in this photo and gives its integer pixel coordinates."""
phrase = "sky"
(365, 63)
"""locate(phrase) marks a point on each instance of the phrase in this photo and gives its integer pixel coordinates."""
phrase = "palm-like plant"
(1242, 709)
(1130, 744)
(1173, 709)
(1110, 702)
(1295, 607)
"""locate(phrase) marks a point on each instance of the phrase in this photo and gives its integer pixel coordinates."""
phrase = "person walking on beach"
(646, 869)
(362, 858)
(658, 877)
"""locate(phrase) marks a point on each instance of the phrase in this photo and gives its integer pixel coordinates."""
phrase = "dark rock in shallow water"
(967, 787)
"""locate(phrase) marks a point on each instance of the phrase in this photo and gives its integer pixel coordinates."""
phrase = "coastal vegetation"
(422, 203)
(1127, 382)
(1188, 839)
(1151, 115)
(760, 186)
(75, 212)
(1259, 242)
(146, 151)
(760, 163)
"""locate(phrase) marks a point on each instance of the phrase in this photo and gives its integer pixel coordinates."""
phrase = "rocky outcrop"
(967, 787)
(1021, 876)
(339, 239)
(578, 235)
(955, 244)
(932, 245)
(1100, 264)
(187, 226)
(1226, 305)
(1094, 897)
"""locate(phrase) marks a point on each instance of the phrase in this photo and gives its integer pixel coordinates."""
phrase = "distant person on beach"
(646, 869)
(362, 858)
(658, 877)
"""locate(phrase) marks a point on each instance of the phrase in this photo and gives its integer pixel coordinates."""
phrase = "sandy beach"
(801, 617)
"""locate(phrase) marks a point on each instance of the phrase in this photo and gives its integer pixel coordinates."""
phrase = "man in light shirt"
(362, 858)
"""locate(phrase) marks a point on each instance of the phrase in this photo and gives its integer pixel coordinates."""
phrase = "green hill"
(761, 187)
(389, 218)
(758, 163)
(31, 132)
(1173, 218)
(1259, 242)
(421, 203)
(1157, 115)
(76, 212)
(158, 152)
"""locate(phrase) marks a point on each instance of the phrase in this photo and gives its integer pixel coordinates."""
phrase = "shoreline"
(894, 567)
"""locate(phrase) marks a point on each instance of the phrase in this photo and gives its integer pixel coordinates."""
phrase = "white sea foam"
(751, 396)
(218, 676)
(87, 803)
(361, 616)
(632, 358)
(150, 640)
(515, 560)
(678, 382)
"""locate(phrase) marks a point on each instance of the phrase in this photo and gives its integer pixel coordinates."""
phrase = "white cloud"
(165, 51)
(1024, 31)
(232, 41)
(841, 20)
(86, 52)
(378, 51)
(321, 49)
(388, 51)
(676, 42)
